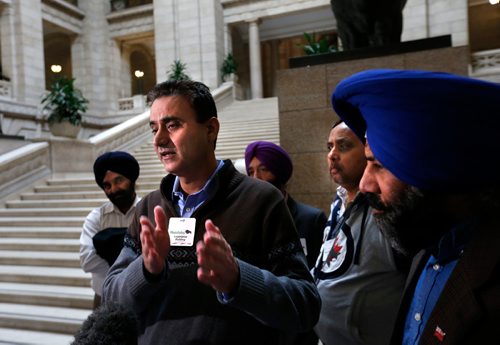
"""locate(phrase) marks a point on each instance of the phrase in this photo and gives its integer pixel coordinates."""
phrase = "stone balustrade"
(486, 61)
(135, 103)
(21, 167)
(5, 89)
(58, 155)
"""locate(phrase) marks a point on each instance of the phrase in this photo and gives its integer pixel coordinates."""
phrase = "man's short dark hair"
(110, 324)
(196, 93)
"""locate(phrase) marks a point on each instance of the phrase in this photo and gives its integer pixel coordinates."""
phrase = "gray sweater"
(358, 281)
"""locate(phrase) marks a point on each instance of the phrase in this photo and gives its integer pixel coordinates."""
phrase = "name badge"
(181, 231)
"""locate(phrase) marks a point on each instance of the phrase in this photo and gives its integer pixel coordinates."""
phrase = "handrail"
(27, 164)
(123, 135)
(23, 166)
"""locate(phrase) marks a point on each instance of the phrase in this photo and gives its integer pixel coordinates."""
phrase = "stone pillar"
(92, 58)
(255, 58)
(22, 49)
(192, 32)
(166, 36)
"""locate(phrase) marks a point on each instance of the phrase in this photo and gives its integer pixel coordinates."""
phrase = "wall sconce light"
(56, 68)
(494, 2)
(138, 73)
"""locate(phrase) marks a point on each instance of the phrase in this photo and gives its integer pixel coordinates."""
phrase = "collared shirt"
(432, 280)
(101, 218)
(186, 206)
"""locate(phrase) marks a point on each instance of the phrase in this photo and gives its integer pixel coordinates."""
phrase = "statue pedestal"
(369, 52)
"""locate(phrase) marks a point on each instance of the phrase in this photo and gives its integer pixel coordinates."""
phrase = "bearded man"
(105, 226)
(431, 178)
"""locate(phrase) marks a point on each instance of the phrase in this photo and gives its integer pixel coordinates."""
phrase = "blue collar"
(187, 205)
(452, 244)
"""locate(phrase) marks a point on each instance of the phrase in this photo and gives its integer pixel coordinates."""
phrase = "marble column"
(255, 58)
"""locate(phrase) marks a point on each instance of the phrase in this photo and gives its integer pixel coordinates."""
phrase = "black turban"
(119, 162)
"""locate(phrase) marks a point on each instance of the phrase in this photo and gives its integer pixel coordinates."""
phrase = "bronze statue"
(368, 23)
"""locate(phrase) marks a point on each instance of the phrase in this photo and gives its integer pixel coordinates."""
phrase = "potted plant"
(229, 67)
(178, 71)
(65, 106)
(317, 46)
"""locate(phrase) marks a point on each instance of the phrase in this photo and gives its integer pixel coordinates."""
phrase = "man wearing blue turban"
(432, 180)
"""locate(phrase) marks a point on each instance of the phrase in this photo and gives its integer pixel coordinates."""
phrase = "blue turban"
(273, 157)
(434, 131)
(119, 162)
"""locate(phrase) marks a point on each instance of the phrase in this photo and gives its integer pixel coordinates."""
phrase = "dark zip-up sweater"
(276, 295)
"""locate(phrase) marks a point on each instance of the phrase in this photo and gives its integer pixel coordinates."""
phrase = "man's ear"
(213, 128)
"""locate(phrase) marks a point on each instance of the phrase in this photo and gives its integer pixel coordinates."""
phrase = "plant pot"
(231, 77)
(64, 129)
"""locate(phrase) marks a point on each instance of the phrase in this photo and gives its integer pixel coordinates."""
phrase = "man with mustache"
(432, 179)
(104, 228)
(359, 278)
(212, 257)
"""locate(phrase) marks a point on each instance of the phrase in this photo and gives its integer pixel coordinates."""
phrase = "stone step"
(25, 337)
(150, 162)
(38, 318)
(55, 203)
(46, 258)
(45, 212)
(228, 133)
(237, 150)
(152, 170)
(41, 244)
(142, 177)
(244, 142)
(81, 188)
(235, 117)
(42, 221)
(62, 195)
(44, 275)
(247, 126)
(78, 196)
(41, 232)
(73, 181)
(48, 295)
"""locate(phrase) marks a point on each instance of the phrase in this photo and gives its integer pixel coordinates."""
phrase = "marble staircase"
(44, 294)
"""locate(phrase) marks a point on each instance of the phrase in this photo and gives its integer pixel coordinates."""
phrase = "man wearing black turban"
(103, 230)
(432, 179)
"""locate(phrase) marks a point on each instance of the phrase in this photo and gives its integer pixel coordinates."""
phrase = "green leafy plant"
(64, 102)
(315, 46)
(178, 71)
(229, 66)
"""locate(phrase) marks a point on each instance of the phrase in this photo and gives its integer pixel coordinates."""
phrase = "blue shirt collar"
(193, 201)
(452, 244)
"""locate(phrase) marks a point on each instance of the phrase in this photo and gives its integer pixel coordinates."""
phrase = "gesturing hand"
(217, 265)
(155, 241)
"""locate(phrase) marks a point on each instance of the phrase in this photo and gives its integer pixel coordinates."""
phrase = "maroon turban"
(273, 157)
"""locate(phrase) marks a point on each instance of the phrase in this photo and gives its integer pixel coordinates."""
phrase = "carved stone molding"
(486, 62)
